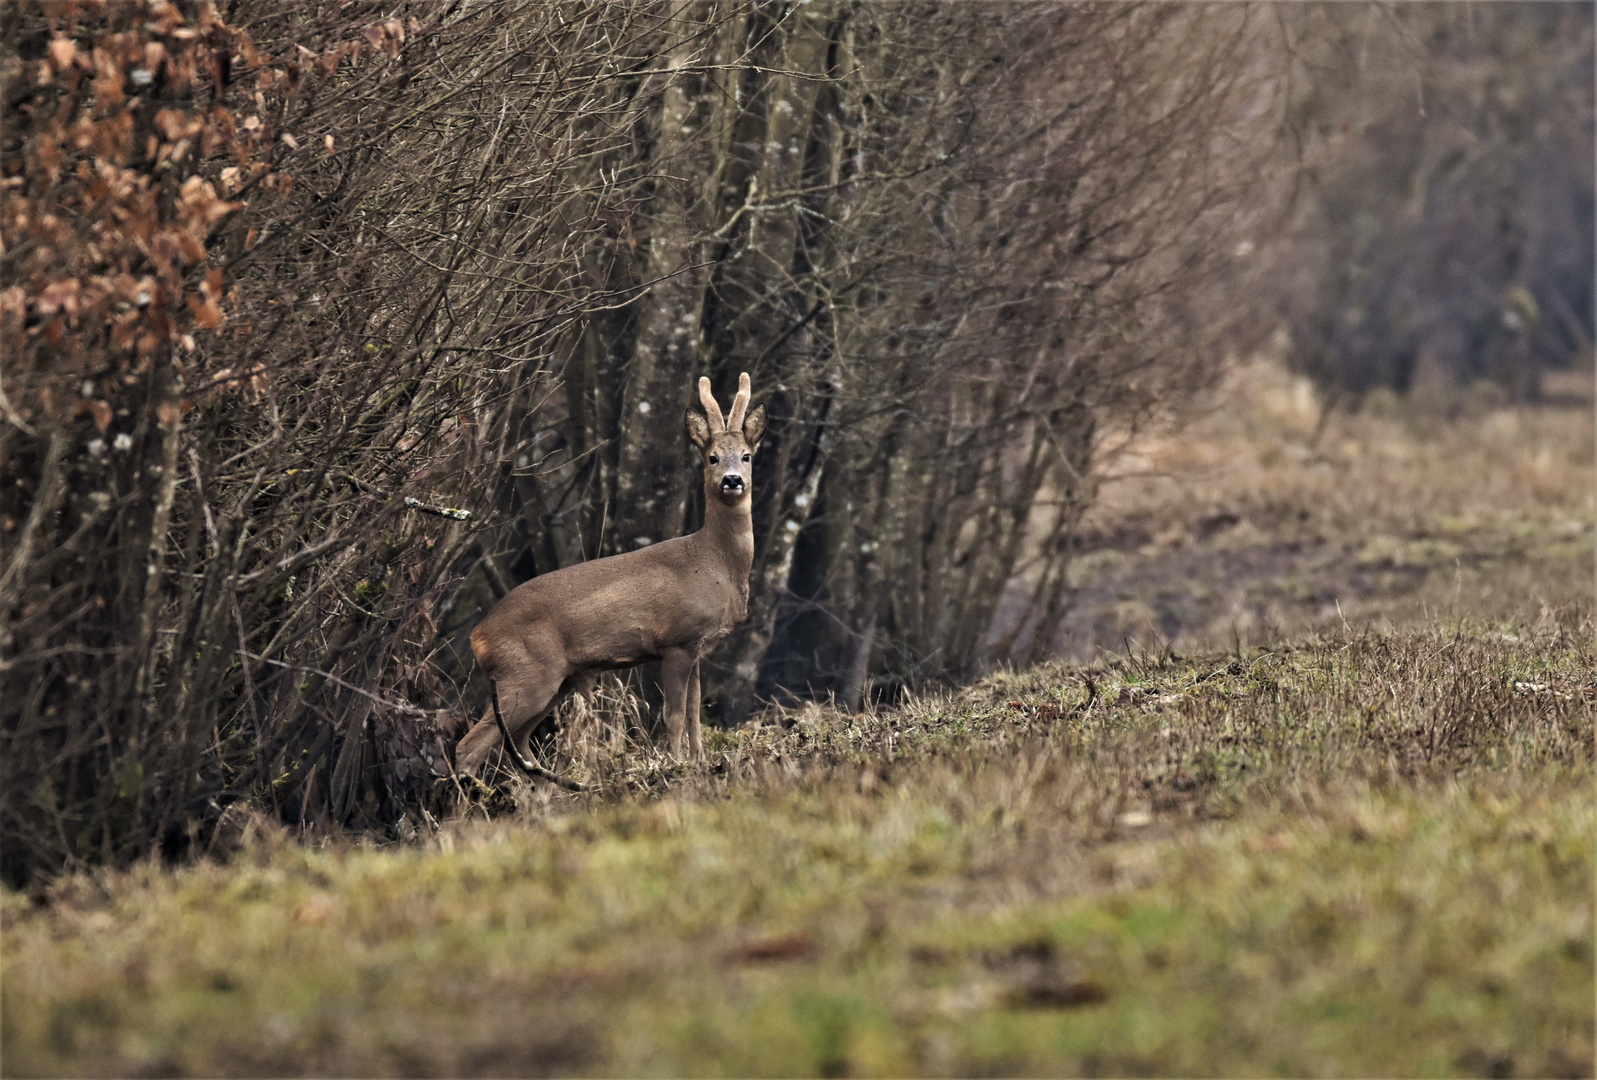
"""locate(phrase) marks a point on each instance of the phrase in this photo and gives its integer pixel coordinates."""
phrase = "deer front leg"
(675, 669)
(580, 687)
(695, 741)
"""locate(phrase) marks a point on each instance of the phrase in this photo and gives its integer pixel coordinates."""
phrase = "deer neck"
(729, 532)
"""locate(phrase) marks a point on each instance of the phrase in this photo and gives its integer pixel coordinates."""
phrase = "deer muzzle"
(731, 484)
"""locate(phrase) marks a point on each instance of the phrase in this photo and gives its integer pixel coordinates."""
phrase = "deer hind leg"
(676, 669)
(525, 695)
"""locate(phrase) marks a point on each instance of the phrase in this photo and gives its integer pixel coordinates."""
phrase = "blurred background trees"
(1442, 226)
(325, 327)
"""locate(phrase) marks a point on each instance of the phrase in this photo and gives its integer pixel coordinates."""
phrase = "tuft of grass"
(1357, 854)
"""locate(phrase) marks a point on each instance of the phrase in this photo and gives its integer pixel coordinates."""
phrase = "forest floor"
(1314, 797)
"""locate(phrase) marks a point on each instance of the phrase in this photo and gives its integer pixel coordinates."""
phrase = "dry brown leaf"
(207, 313)
(189, 248)
(59, 296)
(62, 51)
(175, 125)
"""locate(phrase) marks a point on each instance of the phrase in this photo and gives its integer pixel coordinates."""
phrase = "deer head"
(728, 444)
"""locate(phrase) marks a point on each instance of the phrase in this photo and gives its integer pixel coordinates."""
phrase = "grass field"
(1331, 817)
(1243, 528)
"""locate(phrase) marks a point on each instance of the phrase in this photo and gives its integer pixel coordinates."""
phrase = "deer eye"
(745, 457)
(714, 459)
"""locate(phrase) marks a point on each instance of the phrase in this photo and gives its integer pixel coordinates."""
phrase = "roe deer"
(670, 601)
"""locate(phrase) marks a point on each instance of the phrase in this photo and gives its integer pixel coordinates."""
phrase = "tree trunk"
(652, 477)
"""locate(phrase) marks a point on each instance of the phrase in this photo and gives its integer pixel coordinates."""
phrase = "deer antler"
(740, 404)
(711, 409)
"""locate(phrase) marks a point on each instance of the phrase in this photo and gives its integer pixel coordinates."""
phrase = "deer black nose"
(732, 483)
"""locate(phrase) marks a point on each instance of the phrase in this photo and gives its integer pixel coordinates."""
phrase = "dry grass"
(1364, 851)
(1244, 528)
(1360, 855)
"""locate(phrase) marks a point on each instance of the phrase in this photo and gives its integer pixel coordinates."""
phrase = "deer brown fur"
(670, 602)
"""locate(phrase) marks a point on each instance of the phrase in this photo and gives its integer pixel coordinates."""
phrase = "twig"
(44, 502)
(440, 511)
(397, 706)
(454, 513)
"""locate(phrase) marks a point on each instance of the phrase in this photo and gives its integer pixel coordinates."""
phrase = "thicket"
(1441, 217)
(325, 325)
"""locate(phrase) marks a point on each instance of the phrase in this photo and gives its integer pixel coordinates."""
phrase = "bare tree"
(1443, 222)
(434, 282)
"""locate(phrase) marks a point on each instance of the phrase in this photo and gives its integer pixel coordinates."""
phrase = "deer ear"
(754, 427)
(698, 427)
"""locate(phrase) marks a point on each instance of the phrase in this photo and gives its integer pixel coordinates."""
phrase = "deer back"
(621, 610)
